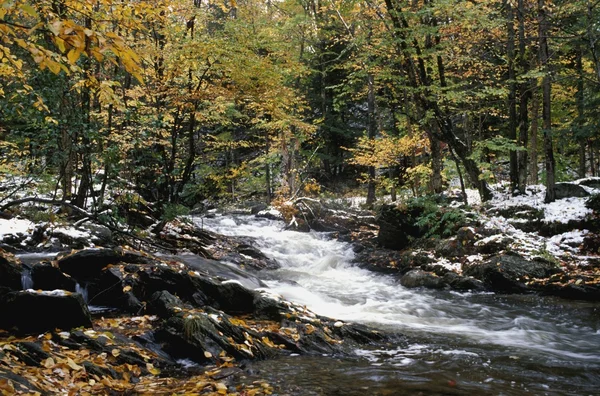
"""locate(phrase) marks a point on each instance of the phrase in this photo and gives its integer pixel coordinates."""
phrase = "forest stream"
(450, 343)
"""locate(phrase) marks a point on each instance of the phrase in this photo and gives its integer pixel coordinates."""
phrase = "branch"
(46, 201)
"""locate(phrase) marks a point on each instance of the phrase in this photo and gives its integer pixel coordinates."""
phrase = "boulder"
(420, 278)
(10, 271)
(569, 190)
(396, 227)
(31, 312)
(47, 277)
(509, 273)
(197, 289)
(87, 264)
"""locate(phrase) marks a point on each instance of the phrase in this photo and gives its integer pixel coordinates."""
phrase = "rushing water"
(457, 343)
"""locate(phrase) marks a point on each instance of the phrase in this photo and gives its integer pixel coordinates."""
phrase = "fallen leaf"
(73, 365)
(48, 363)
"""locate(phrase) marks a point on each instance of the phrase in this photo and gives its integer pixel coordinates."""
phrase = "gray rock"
(509, 273)
(569, 190)
(420, 278)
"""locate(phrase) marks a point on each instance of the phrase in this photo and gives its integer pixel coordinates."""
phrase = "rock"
(522, 212)
(509, 273)
(10, 271)
(16, 384)
(225, 270)
(203, 338)
(420, 278)
(462, 283)
(101, 235)
(259, 259)
(47, 277)
(198, 290)
(396, 227)
(87, 264)
(111, 289)
(569, 190)
(164, 304)
(593, 182)
(493, 244)
(31, 312)
(259, 207)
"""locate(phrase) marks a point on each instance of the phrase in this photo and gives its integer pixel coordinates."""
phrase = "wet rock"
(10, 271)
(202, 338)
(509, 273)
(30, 312)
(569, 190)
(462, 283)
(85, 265)
(47, 277)
(420, 278)
(114, 289)
(198, 290)
(165, 305)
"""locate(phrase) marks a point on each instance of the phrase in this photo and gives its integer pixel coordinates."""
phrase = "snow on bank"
(15, 226)
(563, 246)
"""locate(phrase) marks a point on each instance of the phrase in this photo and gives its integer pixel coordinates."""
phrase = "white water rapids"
(319, 273)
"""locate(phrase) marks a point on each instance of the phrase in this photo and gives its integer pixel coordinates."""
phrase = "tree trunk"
(525, 94)
(512, 96)
(546, 101)
(533, 146)
(436, 164)
(371, 132)
(579, 99)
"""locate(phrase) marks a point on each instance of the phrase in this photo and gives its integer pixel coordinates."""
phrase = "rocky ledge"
(124, 321)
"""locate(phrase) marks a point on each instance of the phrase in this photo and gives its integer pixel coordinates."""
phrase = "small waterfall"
(82, 289)
(26, 280)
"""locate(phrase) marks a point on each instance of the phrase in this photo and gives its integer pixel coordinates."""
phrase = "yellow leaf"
(29, 10)
(60, 43)
(221, 388)
(207, 354)
(151, 369)
(126, 289)
(55, 27)
(73, 365)
(115, 352)
(48, 363)
(73, 55)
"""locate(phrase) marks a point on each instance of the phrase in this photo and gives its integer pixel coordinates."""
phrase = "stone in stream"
(47, 277)
(10, 271)
(31, 312)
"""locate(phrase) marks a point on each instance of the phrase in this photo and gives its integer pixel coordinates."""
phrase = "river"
(455, 343)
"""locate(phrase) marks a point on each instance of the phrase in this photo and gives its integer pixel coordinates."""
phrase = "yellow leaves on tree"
(386, 150)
